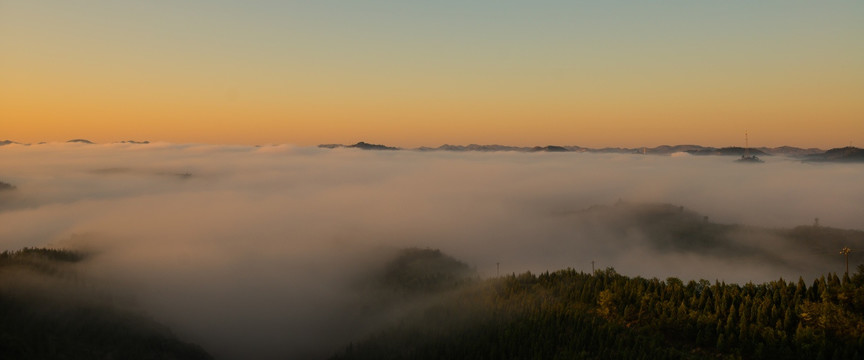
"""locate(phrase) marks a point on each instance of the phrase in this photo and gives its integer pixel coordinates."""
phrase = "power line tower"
(846, 251)
(747, 157)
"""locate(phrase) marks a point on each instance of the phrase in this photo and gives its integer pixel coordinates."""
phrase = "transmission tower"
(846, 251)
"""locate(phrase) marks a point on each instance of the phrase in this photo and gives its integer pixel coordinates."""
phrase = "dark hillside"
(424, 270)
(845, 154)
(574, 315)
(48, 312)
(805, 250)
(6, 186)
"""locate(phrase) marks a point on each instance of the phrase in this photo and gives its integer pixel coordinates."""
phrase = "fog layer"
(255, 249)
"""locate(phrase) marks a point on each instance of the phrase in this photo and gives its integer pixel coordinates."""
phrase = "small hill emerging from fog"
(48, 312)
(845, 154)
(6, 186)
(423, 270)
(805, 250)
(360, 145)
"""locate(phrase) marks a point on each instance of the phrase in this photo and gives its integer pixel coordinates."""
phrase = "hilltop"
(6, 186)
(360, 145)
(808, 250)
(844, 154)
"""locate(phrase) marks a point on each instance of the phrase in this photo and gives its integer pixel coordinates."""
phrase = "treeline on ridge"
(554, 315)
(605, 315)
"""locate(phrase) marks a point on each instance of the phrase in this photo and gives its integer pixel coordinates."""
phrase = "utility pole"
(846, 251)
(592, 266)
(497, 269)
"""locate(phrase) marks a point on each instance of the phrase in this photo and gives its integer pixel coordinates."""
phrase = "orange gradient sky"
(421, 73)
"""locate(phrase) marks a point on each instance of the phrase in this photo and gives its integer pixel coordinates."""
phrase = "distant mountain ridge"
(10, 142)
(81, 141)
(847, 154)
(844, 154)
(734, 150)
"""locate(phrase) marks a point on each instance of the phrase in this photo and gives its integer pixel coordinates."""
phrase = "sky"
(426, 73)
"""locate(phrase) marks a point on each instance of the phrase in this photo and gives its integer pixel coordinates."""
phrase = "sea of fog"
(241, 248)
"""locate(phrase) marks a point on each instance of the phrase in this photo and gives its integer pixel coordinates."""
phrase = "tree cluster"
(604, 315)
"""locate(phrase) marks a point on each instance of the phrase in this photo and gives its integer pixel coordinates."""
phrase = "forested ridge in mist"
(805, 250)
(435, 307)
(575, 315)
(48, 312)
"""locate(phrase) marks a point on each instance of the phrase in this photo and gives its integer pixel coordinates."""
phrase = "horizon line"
(421, 147)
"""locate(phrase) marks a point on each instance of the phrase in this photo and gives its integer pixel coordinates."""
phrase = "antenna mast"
(746, 145)
(846, 251)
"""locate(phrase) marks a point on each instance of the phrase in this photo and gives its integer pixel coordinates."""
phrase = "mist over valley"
(284, 251)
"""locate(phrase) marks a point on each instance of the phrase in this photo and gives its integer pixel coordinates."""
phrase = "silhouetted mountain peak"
(360, 145)
(550, 148)
(367, 146)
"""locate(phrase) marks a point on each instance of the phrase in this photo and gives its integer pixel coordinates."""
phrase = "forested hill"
(423, 304)
(47, 312)
(806, 250)
(574, 315)
(419, 271)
